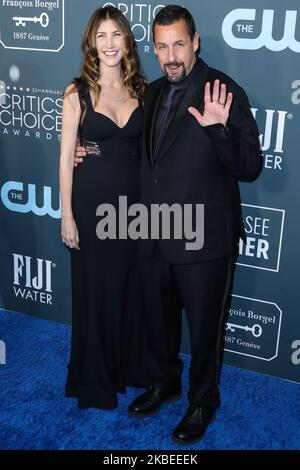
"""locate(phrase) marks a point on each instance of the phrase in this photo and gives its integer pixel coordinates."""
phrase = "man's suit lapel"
(192, 97)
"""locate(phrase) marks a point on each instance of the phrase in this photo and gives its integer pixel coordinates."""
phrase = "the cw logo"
(265, 38)
(12, 198)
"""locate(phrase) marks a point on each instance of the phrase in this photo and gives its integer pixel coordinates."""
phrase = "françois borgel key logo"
(253, 328)
(32, 25)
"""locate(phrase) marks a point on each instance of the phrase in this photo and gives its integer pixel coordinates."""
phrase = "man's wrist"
(218, 130)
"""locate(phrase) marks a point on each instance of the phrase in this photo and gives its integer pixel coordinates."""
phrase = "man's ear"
(155, 51)
(196, 41)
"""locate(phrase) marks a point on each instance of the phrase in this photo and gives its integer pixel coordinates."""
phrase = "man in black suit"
(200, 139)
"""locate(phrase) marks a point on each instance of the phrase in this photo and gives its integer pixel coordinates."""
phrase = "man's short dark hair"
(173, 13)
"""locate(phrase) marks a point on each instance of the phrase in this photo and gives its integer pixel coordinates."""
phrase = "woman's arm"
(70, 123)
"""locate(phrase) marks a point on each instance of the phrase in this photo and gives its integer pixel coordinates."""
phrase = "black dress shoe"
(193, 425)
(149, 402)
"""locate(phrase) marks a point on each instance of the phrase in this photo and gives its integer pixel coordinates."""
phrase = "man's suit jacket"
(200, 165)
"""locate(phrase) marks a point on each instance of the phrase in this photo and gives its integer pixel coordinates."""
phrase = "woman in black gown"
(104, 107)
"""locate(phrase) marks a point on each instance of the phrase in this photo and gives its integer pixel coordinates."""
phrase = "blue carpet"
(257, 412)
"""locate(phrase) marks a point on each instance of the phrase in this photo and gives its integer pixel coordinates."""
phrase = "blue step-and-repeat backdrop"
(256, 42)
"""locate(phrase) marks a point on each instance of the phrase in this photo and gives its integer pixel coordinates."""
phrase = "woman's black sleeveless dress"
(107, 334)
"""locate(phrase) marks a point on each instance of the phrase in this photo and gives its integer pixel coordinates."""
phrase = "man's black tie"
(162, 118)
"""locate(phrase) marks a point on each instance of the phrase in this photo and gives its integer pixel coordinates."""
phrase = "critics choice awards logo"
(140, 17)
(32, 25)
(30, 112)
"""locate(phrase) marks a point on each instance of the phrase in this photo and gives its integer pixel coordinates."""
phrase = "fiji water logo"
(236, 23)
(273, 124)
(33, 278)
(16, 199)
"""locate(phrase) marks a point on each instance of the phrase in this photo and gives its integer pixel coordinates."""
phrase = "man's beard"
(177, 78)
